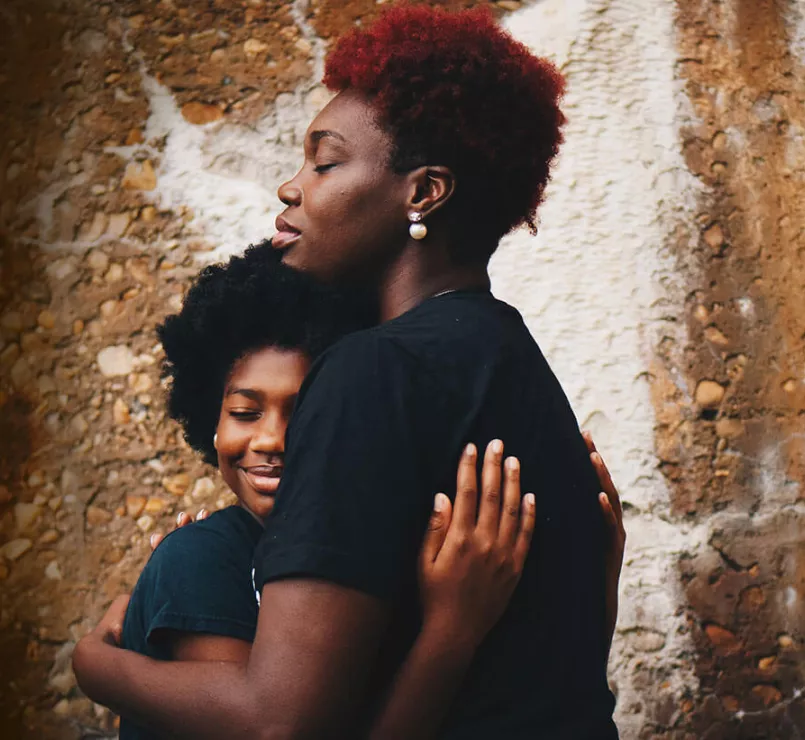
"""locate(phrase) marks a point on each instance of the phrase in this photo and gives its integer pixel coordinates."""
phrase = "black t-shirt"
(377, 431)
(198, 580)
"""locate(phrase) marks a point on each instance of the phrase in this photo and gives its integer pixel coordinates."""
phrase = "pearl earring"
(215, 440)
(417, 230)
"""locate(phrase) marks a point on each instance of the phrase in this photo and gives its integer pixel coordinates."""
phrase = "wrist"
(449, 636)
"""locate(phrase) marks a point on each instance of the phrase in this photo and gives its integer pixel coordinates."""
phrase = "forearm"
(424, 687)
(178, 699)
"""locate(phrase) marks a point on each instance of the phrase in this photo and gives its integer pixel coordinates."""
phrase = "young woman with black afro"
(439, 140)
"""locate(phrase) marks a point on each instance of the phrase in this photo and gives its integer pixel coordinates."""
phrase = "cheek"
(233, 439)
(353, 228)
(346, 200)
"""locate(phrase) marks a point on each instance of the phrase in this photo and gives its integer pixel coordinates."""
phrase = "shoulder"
(223, 537)
(199, 579)
(359, 362)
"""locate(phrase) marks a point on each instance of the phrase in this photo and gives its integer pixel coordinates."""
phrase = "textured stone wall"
(142, 139)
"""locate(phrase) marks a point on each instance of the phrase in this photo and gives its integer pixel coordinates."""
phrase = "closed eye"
(322, 168)
(246, 415)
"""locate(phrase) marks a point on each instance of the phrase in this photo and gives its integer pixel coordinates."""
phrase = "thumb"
(437, 528)
(112, 622)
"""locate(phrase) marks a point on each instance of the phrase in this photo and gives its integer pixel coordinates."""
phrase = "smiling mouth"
(265, 479)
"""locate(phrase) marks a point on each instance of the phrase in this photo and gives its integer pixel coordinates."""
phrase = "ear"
(431, 188)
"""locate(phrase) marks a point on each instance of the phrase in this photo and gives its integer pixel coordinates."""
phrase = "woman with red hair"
(438, 142)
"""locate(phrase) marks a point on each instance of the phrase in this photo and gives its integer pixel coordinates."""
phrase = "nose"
(269, 436)
(290, 193)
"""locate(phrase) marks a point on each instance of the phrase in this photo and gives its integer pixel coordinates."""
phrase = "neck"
(421, 272)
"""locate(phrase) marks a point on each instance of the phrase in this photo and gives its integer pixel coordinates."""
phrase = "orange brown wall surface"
(141, 140)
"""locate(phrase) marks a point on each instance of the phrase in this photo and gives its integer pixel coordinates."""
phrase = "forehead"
(270, 368)
(352, 116)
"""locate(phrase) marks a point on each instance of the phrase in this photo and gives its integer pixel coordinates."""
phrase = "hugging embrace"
(378, 413)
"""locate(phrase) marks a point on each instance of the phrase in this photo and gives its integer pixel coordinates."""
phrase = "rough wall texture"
(142, 139)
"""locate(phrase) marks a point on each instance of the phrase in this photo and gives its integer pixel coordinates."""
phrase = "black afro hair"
(252, 301)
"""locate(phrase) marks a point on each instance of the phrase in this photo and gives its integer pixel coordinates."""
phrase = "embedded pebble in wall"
(709, 394)
(200, 114)
(135, 505)
(98, 260)
(140, 176)
(46, 320)
(177, 484)
(203, 488)
(115, 361)
(26, 516)
(15, 549)
(97, 516)
(120, 412)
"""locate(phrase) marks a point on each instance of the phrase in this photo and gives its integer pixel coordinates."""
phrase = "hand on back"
(474, 550)
(610, 503)
(182, 520)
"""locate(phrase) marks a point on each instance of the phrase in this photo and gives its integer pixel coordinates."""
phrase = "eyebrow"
(248, 392)
(317, 136)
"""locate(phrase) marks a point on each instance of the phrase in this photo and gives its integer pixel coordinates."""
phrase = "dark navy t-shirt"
(378, 428)
(198, 580)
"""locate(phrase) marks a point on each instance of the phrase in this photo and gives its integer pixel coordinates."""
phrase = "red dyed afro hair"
(454, 89)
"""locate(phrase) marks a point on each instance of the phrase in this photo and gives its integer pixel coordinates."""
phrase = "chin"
(290, 257)
(263, 507)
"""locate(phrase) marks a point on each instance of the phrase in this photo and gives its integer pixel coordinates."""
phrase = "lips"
(265, 479)
(286, 234)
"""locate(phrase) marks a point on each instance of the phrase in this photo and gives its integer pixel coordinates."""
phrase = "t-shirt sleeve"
(353, 504)
(200, 584)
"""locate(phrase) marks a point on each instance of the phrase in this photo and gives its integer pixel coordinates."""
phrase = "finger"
(202, 514)
(437, 528)
(466, 502)
(155, 540)
(489, 509)
(510, 511)
(609, 514)
(118, 606)
(115, 615)
(183, 519)
(588, 440)
(605, 479)
(528, 520)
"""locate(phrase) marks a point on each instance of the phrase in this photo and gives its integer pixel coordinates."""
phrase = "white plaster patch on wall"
(226, 174)
(300, 12)
(795, 21)
(596, 282)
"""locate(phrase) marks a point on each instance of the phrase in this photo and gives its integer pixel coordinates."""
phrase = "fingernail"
(470, 450)
(152, 539)
(530, 499)
(497, 446)
(512, 464)
(179, 518)
(596, 457)
(439, 502)
(201, 514)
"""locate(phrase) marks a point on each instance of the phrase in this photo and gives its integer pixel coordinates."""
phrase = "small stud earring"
(215, 440)
(417, 230)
